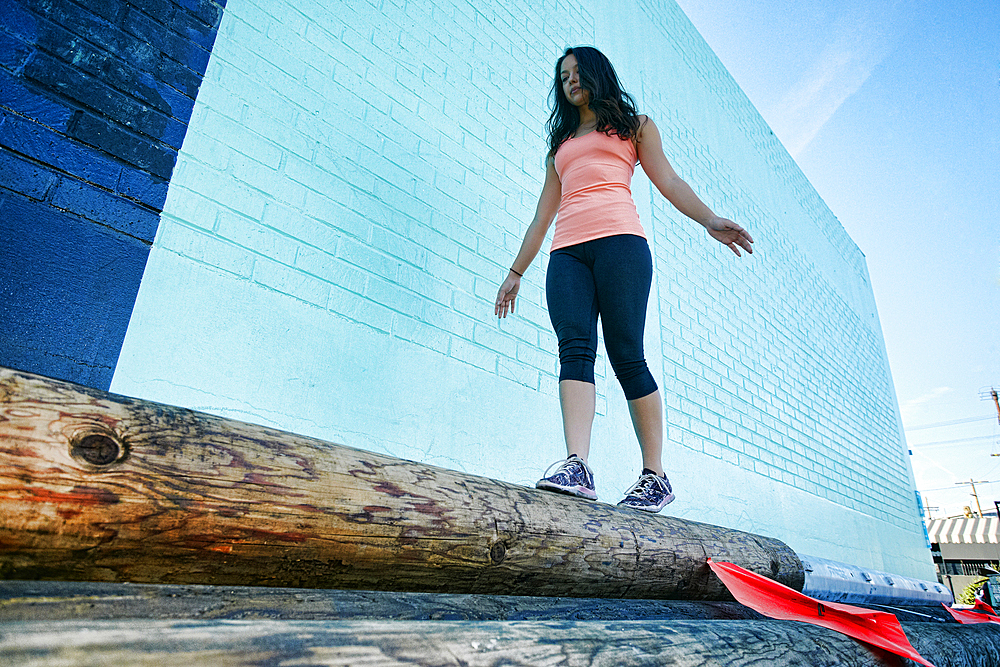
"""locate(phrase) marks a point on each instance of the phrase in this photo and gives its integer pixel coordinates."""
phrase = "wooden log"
(57, 601)
(98, 487)
(476, 644)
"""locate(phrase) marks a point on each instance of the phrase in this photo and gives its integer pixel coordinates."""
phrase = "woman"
(600, 264)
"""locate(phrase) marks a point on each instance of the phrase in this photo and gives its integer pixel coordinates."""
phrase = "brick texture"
(95, 98)
(408, 175)
(376, 163)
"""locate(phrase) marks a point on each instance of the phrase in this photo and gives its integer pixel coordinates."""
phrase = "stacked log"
(98, 487)
(62, 601)
(481, 643)
(59, 623)
(101, 488)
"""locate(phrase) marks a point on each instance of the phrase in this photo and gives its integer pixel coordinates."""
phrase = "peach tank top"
(596, 175)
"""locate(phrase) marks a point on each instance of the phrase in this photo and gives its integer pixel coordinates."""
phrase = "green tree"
(968, 594)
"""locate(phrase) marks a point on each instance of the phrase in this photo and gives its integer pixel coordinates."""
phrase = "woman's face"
(569, 73)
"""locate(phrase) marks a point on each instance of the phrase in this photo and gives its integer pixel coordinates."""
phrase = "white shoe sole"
(578, 491)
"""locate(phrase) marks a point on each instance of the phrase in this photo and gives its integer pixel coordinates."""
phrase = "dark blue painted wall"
(95, 97)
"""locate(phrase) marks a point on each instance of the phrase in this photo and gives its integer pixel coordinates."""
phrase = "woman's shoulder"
(645, 123)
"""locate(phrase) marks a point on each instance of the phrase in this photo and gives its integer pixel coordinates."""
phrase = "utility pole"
(996, 402)
(986, 394)
(974, 495)
(928, 508)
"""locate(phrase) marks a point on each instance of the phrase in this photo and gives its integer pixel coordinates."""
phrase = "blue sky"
(892, 110)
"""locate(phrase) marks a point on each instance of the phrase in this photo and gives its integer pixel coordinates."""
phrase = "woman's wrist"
(516, 272)
(710, 221)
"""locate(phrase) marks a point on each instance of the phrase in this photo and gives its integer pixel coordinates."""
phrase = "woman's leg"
(647, 420)
(578, 401)
(623, 273)
(572, 303)
(573, 476)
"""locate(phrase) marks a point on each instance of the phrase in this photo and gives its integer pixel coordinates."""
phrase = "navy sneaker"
(572, 477)
(651, 494)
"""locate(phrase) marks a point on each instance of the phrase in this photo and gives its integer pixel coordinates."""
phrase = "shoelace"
(644, 484)
(564, 464)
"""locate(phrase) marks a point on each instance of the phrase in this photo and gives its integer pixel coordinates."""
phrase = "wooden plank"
(98, 487)
(475, 643)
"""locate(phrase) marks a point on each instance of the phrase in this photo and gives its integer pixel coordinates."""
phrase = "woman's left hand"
(728, 233)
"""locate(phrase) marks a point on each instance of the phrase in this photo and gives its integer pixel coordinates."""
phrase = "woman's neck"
(588, 121)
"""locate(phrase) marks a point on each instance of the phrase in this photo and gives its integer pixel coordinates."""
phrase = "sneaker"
(651, 494)
(572, 477)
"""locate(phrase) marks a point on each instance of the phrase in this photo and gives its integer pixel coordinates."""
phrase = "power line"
(948, 423)
(975, 495)
(952, 488)
(952, 442)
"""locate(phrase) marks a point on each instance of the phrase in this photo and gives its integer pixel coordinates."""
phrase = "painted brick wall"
(358, 175)
(94, 103)
(387, 190)
(782, 372)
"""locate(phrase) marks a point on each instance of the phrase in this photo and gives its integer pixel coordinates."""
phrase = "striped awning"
(978, 530)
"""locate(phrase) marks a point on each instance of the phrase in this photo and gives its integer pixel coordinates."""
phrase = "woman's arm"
(680, 194)
(545, 212)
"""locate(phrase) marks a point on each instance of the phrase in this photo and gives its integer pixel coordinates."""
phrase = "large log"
(477, 644)
(99, 487)
(95, 601)
(61, 600)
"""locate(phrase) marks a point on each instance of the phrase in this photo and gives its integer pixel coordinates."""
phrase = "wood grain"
(58, 600)
(98, 487)
(476, 643)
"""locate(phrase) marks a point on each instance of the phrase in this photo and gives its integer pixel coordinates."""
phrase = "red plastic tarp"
(878, 628)
(980, 613)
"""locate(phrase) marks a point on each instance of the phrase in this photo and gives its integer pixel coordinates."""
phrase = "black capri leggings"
(609, 277)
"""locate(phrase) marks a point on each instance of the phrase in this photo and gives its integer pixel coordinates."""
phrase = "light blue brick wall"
(357, 177)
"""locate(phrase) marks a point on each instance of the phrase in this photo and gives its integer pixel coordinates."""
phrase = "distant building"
(962, 546)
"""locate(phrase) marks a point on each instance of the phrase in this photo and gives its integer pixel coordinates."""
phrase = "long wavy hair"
(615, 109)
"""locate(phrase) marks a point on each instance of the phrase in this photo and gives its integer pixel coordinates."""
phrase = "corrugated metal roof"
(977, 530)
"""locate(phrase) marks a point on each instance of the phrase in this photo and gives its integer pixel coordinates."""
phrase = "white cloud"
(929, 473)
(859, 41)
(916, 407)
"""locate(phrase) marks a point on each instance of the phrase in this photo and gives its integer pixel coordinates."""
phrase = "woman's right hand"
(507, 294)
(545, 213)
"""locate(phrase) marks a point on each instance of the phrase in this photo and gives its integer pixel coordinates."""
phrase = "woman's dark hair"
(615, 109)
